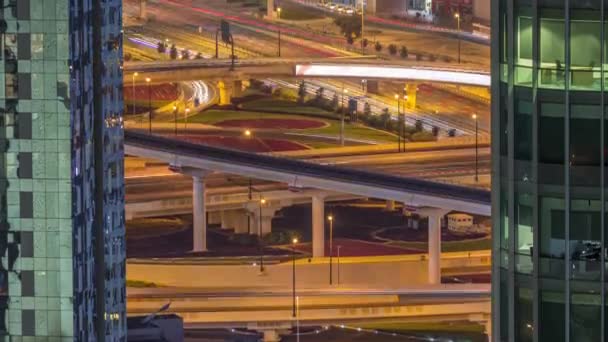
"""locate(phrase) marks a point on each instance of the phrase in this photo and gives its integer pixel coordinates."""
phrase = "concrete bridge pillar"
(390, 205)
(214, 217)
(236, 219)
(143, 13)
(237, 89)
(225, 91)
(318, 226)
(271, 336)
(435, 215)
(270, 9)
(412, 90)
(261, 217)
(199, 223)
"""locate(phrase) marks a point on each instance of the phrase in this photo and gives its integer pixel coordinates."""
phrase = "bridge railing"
(290, 166)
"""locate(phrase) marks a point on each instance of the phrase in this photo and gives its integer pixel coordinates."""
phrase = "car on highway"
(340, 8)
(331, 6)
(349, 11)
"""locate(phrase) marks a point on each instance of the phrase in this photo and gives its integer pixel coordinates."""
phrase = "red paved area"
(254, 145)
(272, 123)
(358, 248)
(159, 92)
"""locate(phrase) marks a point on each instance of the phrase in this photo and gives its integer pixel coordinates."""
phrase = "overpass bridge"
(430, 199)
(270, 311)
(362, 67)
(229, 81)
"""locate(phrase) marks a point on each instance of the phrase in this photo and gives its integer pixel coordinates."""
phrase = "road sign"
(225, 30)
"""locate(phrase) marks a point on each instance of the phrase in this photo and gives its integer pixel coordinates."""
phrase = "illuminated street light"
(474, 116)
(279, 12)
(261, 247)
(247, 133)
(175, 118)
(330, 218)
(294, 241)
(135, 74)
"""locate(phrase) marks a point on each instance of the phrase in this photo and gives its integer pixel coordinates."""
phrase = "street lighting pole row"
(401, 130)
(150, 110)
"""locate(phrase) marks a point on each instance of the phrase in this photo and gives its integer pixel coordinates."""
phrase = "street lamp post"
(279, 12)
(403, 126)
(148, 80)
(398, 99)
(362, 25)
(217, 32)
(474, 116)
(175, 118)
(342, 109)
(260, 243)
(331, 244)
(186, 113)
(339, 263)
(293, 284)
(279, 36)
(457, 16)
(135, 74)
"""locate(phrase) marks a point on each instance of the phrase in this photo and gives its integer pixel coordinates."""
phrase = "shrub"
(173, 52)
(392, 49)
(378, 46)
(403, 52)
(423, 136)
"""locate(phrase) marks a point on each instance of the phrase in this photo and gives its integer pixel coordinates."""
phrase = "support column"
(237, 89)
(225, 93)
(318, 226)
(215, 217)
(390, 205)
(199, 224)
(268, 212)
(270, 9)
(434, 249)
(271, 336)
(143, 9)
(412, 90)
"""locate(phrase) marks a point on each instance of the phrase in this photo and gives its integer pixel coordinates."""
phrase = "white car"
(332, 6)
(349, 11)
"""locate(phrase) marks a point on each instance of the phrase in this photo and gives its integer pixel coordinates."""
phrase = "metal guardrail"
(303, 168)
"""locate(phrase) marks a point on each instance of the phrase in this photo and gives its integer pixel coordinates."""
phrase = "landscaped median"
(327, 130)
(157, 96)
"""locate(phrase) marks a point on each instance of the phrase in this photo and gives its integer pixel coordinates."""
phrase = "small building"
(155, 328)
(460, 223)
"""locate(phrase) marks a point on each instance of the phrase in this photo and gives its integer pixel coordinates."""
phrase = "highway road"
(425, 165)
(446, 111)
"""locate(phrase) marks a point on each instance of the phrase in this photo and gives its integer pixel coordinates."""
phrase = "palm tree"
(173, 52)
(161, 48)
(185, 54)
(378, 47)
(392, 49)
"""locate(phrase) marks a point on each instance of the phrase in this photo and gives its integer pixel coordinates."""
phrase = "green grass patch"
(292, 11)
(463, 327)
(357, 132)
(270, 104)
(142, 284)
(449, 246)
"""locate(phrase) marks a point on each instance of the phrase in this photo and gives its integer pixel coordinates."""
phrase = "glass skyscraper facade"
(550, 138)
(62, 252)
